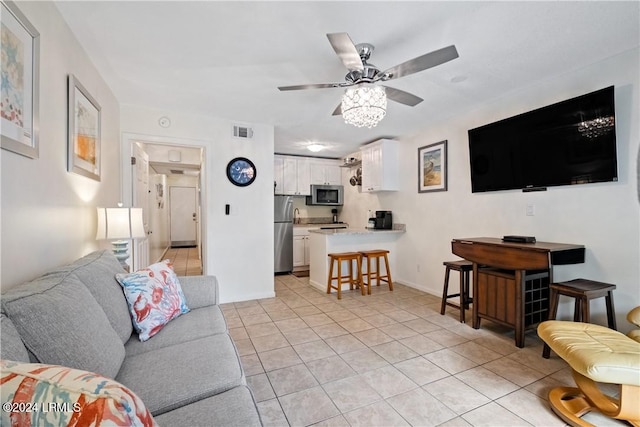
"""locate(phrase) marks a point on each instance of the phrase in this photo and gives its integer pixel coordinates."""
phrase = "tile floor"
(185, 261)
(388, 359)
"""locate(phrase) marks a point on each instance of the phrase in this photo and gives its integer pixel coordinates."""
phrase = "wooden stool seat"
(583, 290)
(464, 267)
(354, 281)
(370, 275)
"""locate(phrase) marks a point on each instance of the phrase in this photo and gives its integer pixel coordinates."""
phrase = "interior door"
(140, 191)
(183, 216)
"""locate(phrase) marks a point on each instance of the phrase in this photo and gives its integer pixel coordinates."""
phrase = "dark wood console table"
(511, 280)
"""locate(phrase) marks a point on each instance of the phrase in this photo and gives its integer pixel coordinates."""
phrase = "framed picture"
(19, 82)
(83, 131)
(432, 167)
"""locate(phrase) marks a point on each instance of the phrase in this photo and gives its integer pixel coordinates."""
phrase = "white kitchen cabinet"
(292, 176)
(278, 175)
(300, 247)
(303, 177)
(325, 172)
(380, 166)
(300, 251)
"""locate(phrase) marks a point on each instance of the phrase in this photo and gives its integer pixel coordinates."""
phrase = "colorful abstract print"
(154, 296)
(11, 77)
(35, 394)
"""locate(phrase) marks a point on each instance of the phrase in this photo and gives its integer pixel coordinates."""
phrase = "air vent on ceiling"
(177, 171)
(242, 132)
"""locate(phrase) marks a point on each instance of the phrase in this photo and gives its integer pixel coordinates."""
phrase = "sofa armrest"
(199, 291)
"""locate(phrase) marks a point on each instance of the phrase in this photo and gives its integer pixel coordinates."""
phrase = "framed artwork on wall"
(19, 82)
(83, 131)
(432, 167)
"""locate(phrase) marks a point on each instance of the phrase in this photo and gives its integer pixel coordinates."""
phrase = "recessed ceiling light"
(315, 147)
(458, 79)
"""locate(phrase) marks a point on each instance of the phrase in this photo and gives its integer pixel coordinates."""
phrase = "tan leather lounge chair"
(596, 354)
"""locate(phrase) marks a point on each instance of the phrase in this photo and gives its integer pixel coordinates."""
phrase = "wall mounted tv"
(571, 142)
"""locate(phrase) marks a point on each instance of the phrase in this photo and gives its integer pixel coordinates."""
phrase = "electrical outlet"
(531, 210)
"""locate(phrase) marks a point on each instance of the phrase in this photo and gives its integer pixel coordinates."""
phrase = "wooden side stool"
(464, 267)
(353, 280)
(370, 274)
(583, 291)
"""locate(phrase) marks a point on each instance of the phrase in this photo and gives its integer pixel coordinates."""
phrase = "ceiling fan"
(356, 56)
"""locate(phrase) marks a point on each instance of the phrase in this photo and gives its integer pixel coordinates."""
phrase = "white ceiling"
(226, 59)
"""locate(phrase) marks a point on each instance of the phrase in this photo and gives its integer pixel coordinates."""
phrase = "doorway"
(172, 163)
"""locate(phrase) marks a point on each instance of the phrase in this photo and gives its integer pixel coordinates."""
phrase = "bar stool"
(583, 291)
(464, 267)
(377, 255)
(340, 278)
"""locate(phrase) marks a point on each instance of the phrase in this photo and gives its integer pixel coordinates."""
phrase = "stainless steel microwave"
(326, 195)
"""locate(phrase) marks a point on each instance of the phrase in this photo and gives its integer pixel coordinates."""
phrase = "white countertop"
(351, 231)
(326, 224)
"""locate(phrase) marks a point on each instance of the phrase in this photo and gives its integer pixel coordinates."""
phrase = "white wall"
(238, 248)
(604, 217)
(48, 214)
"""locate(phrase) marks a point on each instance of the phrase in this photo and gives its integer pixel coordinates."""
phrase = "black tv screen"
(570, 142)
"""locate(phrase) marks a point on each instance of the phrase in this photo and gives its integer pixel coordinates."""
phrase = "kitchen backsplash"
(312, 214)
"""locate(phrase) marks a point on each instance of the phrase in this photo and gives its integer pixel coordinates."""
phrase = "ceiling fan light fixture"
(364, 105)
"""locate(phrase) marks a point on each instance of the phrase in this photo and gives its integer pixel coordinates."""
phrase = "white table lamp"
(120, 225)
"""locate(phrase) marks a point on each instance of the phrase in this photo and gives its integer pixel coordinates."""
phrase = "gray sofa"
(189, 373)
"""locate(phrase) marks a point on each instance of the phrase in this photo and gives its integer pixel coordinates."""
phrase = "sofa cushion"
(199, 291)
(171, 377)
(235, 407)
(87, 398)
(154, 296)
(62, 324)
(11, 345)
(200, 323)
(97, 271)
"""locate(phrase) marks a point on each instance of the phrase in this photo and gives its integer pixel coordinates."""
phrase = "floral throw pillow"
(35, 394)
(154, 296)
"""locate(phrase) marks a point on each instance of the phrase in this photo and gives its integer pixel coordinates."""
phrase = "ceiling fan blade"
(338, 110)
(314, 86)
(346, 50)
(402, 97)
(421, 63)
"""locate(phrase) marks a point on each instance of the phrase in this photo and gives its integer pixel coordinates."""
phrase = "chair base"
(571, 403)
(370, 276)
(464, 268)
(354, 280)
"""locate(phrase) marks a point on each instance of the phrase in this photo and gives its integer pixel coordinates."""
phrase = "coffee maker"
(384, 220)
(335, 215)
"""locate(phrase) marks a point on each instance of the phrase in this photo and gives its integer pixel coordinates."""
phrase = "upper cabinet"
(291, 175)
(380, 166)
(325, 172)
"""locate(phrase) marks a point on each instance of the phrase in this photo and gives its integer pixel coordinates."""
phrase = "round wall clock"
(241, 171)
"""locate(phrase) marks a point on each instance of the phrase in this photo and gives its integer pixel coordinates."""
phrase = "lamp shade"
(120, 223)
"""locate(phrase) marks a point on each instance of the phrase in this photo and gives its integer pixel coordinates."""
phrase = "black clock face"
(241, 171)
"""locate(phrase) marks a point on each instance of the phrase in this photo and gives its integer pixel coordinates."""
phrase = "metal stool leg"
(445, 291)
(611, 316)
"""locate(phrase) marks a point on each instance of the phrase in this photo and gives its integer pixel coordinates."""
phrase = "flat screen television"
(570, 142)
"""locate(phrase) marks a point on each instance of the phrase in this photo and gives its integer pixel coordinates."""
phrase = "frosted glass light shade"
(364, 105)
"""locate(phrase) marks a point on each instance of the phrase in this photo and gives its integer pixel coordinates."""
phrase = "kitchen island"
(324, 242)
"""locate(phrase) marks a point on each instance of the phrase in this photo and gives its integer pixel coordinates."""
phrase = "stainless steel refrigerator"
(283, 241)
